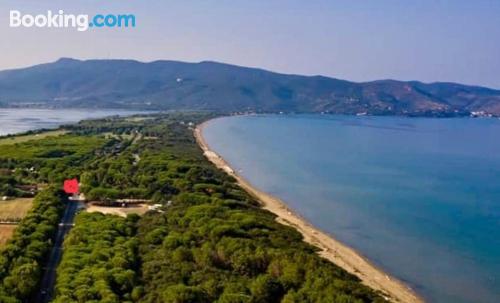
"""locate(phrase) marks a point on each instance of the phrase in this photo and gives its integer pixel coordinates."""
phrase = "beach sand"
(330, 249)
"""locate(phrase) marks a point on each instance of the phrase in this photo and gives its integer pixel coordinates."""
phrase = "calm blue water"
(20, 120)
(419, 197)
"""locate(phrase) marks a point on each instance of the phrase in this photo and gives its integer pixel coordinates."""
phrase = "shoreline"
(330, 248)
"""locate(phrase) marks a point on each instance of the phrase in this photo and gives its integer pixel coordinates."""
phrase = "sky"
(357, 40)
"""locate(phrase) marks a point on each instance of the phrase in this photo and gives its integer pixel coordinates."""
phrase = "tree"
(23, 279)
(266, 289)
(184, 294)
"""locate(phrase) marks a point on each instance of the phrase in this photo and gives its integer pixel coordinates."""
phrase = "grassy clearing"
(6, 232)
(111, 135)
(15, 209)
(119, 211)
(138, 119)
(52, 147)
(26, 138)
(12, 210)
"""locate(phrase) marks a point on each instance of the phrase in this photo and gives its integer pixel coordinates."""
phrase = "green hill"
(223, 87)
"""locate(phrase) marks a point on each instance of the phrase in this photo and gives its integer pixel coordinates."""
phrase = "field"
(14, 209)
(6, 232)
(138, 119)
(26, 138)
(51, 147)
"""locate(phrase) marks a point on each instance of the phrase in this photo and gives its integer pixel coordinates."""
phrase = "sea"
(418, 197)
(21, 120)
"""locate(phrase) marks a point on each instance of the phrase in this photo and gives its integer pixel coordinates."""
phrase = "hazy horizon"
(428, 41)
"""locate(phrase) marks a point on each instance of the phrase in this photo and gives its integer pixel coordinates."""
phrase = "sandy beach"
(330, 249)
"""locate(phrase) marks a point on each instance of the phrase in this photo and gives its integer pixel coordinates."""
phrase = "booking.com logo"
(61, 20)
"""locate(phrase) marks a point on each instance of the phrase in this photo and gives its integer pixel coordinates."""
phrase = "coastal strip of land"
(329, 248)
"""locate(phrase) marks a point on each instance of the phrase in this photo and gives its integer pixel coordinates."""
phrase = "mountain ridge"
(209, 85)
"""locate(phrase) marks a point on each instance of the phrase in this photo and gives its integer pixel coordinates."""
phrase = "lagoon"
(21, 120)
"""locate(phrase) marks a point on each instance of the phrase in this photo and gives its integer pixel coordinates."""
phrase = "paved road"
(49, 276)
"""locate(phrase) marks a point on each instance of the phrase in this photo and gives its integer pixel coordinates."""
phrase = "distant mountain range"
(230, 88)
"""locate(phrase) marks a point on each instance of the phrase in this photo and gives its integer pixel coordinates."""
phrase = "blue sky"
(358, 40)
